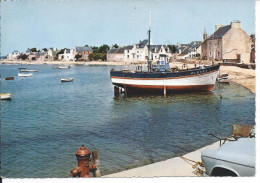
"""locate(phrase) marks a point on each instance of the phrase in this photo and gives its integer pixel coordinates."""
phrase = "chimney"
(218, 26)
(236, 24)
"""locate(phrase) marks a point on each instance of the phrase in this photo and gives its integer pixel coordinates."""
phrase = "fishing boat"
(5, 96)
(9, 78)
(25, 75)
(27, 70)
(160, 78)
(21, 67)
(66, 79)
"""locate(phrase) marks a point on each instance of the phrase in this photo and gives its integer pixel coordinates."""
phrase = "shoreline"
(173, 167)
(241, 76)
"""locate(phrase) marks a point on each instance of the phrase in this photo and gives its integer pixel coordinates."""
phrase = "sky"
(68, 23)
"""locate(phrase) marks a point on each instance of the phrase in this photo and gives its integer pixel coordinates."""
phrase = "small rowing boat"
(63, 67)
(5, 96)
(25, 75)
(9, 78)
(66, 79)
(28, 70)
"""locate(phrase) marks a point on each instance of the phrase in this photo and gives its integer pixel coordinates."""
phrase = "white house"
(52, 53)
(192, 50)
(69, 54)
(13, 55)
(137, 52)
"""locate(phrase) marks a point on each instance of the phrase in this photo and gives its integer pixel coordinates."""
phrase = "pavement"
(174, 167)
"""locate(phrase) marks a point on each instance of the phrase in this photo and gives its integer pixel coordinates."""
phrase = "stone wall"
(236, 45)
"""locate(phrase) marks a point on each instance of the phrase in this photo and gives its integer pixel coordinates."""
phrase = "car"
(234, 158)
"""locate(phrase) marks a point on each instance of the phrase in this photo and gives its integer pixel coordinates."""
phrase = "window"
(137, 56)
(127, 51)
(127, 56)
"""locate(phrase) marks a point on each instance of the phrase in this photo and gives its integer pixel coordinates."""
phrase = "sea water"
(47, 121)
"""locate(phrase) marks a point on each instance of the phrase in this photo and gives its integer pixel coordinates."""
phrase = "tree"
(103, 49)
(172, 48)
(33, 50)
(115, 46)
(60, 52)
(94, 49)
(23, 56)
(45, 49)
(86, 45)
(78, 56)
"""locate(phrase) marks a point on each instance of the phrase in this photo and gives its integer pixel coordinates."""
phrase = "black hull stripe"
(180, 77)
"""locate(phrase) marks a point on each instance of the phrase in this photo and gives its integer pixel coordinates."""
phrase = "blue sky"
(67, 23)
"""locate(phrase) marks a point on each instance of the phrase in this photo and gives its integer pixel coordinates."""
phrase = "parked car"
(234, 158)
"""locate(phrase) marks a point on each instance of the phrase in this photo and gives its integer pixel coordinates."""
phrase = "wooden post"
(116, 90)
(95, 160)
(164, 90)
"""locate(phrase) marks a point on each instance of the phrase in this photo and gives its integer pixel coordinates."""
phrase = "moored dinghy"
(5, 96)
(27, 70)
(9, 78)
(25, 75)
(63, 67)
(66, 79)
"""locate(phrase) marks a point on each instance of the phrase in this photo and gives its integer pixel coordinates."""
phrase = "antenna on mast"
(150, 20)
(149, 44)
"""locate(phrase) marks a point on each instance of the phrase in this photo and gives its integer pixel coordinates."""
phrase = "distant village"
(229, 43)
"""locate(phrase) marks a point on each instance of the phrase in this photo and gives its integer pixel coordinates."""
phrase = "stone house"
(83, 51)
(116, 54)
(229, 43)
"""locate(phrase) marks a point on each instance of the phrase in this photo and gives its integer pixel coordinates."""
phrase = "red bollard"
(84, 167)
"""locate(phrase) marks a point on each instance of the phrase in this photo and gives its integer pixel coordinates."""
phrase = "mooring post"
(164, 90)
(116, 90)
(95, 160)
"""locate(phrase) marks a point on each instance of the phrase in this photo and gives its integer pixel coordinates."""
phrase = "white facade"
(69, 55)
(13, 55)
(51, 53)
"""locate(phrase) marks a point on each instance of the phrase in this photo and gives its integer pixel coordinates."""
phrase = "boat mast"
(149, 44)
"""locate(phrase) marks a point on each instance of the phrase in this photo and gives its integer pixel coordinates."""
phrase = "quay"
(174, 167)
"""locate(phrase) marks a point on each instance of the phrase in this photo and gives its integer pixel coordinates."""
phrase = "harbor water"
(47, 121)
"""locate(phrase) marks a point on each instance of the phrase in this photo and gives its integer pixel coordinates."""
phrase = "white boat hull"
(5, 96)
(197, 82)
(25, 75)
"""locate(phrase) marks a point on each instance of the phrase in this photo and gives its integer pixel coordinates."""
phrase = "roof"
(143, 43)
(67, 50)
(220, 32)
(119, 50)
(112, 50)
(129, 47)
(87, 48)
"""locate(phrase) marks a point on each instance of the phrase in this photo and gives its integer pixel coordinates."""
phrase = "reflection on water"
(47, 121)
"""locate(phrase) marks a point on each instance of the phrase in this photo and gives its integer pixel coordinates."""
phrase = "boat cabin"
(161, 65)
